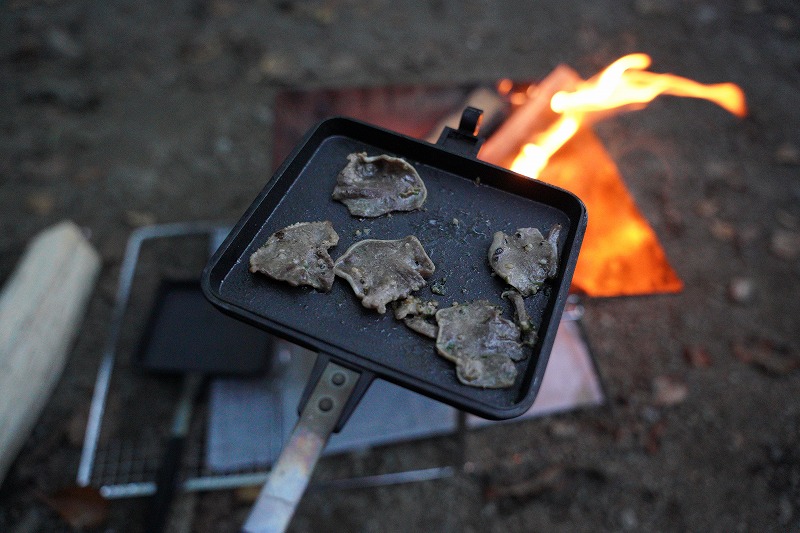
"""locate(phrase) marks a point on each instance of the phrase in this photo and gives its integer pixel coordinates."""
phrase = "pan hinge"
(464, 140)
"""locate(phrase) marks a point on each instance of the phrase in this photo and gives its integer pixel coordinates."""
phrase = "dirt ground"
(118, 114)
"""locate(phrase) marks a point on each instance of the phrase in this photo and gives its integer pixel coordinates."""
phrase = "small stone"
(487, 512)
(74, 95)
(706, 14)
(706, 208)
(674, 219)
(321, 15)
(562, 430)
(199, 51)
(787, 154)
(40, 203)
(654, 436)
(62, 44)
(343, 66)
(274, 67)
(741, 290)
(787, 220)
(437, 287)
(48, 170)
(785, 244)
(785, 509)
(785, 24)
(697, 356)
(650, 414)
(718, 169)
(746, 235)
(87, 175)
(654, 7)
(223, 146)
(522, 44)
(137, 219)
(133, 183)
(474, 42)
(223, 8)
(629, 520)
(722, 231)
(264, 115)
(668, 391)
(752, 7)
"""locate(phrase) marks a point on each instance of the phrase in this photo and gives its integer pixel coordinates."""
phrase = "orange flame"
(623, 83)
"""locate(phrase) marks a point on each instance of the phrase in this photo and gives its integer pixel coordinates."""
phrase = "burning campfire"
(548, 137)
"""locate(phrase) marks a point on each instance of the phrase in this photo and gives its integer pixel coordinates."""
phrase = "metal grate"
(122, 462)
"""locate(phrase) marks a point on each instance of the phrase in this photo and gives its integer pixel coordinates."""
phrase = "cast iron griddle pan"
(468, 200)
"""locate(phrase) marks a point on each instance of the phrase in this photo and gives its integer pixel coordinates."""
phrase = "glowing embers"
(621, 254)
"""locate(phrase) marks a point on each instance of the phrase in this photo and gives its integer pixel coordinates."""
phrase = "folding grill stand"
(288, 478)
(127, 270)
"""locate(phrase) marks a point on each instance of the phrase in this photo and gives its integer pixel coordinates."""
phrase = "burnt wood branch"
(532, 117)
(494, 108)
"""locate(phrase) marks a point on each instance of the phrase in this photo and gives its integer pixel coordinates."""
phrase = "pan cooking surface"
(455, 226)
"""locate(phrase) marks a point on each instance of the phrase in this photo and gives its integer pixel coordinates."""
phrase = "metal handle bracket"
(290, 474)
(464, 140)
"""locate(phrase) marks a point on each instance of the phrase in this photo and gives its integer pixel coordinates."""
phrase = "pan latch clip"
(464, 140)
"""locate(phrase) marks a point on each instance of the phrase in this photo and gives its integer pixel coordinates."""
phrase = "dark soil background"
(119, 114)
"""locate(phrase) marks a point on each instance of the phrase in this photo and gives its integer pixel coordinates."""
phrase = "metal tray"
(468, 200)
(187, 334)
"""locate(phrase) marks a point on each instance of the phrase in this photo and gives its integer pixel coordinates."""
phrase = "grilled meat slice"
(525, 259)
(384, 271)
(298, 255)
(481, 343)
(374, 186)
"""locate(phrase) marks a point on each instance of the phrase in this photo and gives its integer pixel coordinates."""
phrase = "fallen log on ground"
(41, 307)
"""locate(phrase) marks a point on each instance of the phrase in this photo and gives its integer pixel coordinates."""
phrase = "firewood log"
(41, 307)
